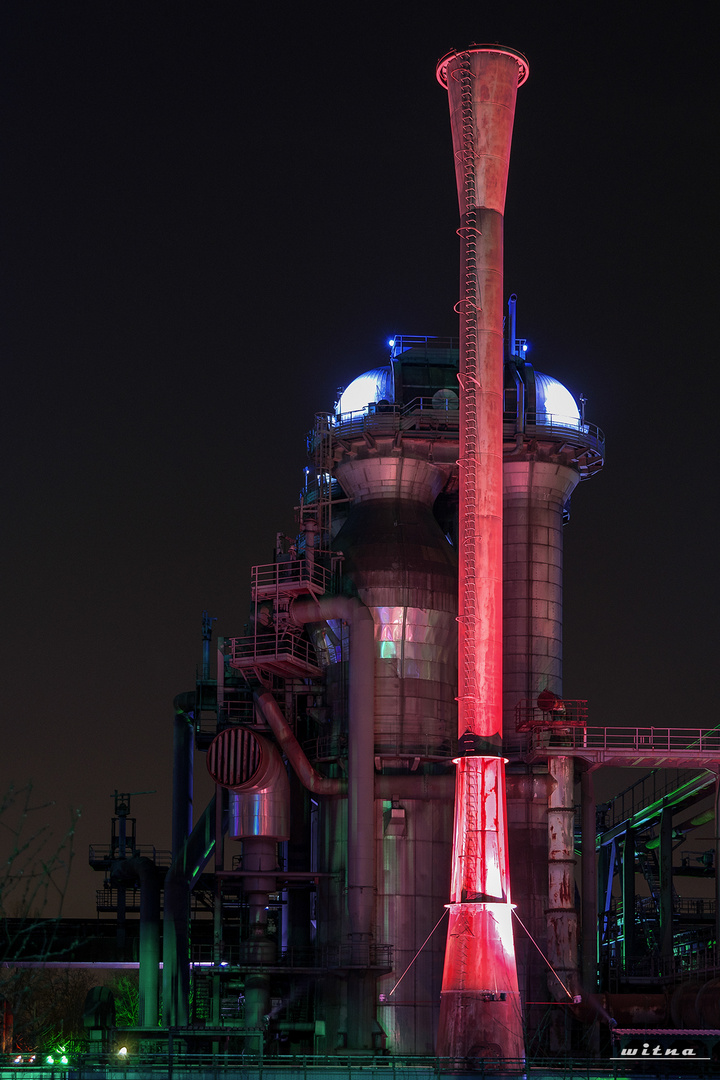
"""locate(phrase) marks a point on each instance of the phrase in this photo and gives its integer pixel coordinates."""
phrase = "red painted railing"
(701, 741)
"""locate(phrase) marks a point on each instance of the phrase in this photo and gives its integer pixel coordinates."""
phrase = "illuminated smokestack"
(480, 1012)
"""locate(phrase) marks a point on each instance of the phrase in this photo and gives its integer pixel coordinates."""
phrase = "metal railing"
(568, 429)
(703, 962)
(320, 957)
(271, 648)
(106, 852)
(236, 862)
(232, 711)
(235, 711)
(694, 907)
(558, 424)
(403, 342)
(442, 415)
(326, 747)
(107, 899)
(418, 745)
(528, 716)
(331, 747)
(290, 577)
(647, 790)
(420, 414)
(180, 1056)
(682, 741)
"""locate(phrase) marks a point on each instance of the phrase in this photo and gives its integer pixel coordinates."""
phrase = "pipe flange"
(441, 71)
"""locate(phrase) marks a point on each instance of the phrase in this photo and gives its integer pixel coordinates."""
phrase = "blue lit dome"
(367, 389)
(554, 404)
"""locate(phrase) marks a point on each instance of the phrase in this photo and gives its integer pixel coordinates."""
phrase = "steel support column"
(628, 897)
(666, 900)
(589, 920)
(717, 854)
(561, 913)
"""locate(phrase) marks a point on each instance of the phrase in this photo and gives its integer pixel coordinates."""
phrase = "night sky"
(211, 221)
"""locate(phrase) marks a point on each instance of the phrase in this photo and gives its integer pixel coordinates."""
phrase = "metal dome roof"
(371, 386)
(554, 404)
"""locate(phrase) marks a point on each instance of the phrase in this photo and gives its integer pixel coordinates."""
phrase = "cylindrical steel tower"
(549, 448)
(393, 457)
(536, 490)
(480, 1008)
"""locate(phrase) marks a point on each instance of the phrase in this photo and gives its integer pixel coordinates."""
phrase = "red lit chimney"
(480, 1011)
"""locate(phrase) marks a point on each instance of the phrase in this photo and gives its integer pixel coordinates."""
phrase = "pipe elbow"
(308, 776)
(348, 608)
(136, 870)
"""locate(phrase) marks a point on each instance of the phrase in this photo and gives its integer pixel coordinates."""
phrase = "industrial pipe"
(251, 767)
(589, 883)
(184, 872)
(561, 913)
(717, 853)
(480, 1011)
(259, 854)
(309, 776)
(681, 830)
(361, 803)
(418, 786)
(143, 870)
(182, 804)
(561, 916)
(361, 747)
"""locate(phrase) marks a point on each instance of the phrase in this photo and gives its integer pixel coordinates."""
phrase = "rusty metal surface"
(480, 1011)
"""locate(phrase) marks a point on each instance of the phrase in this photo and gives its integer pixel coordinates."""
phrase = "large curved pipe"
(310, 777)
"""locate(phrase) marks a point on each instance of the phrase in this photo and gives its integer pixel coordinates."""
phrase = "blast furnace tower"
(348, 674)
(372, 562)
(549, 449)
